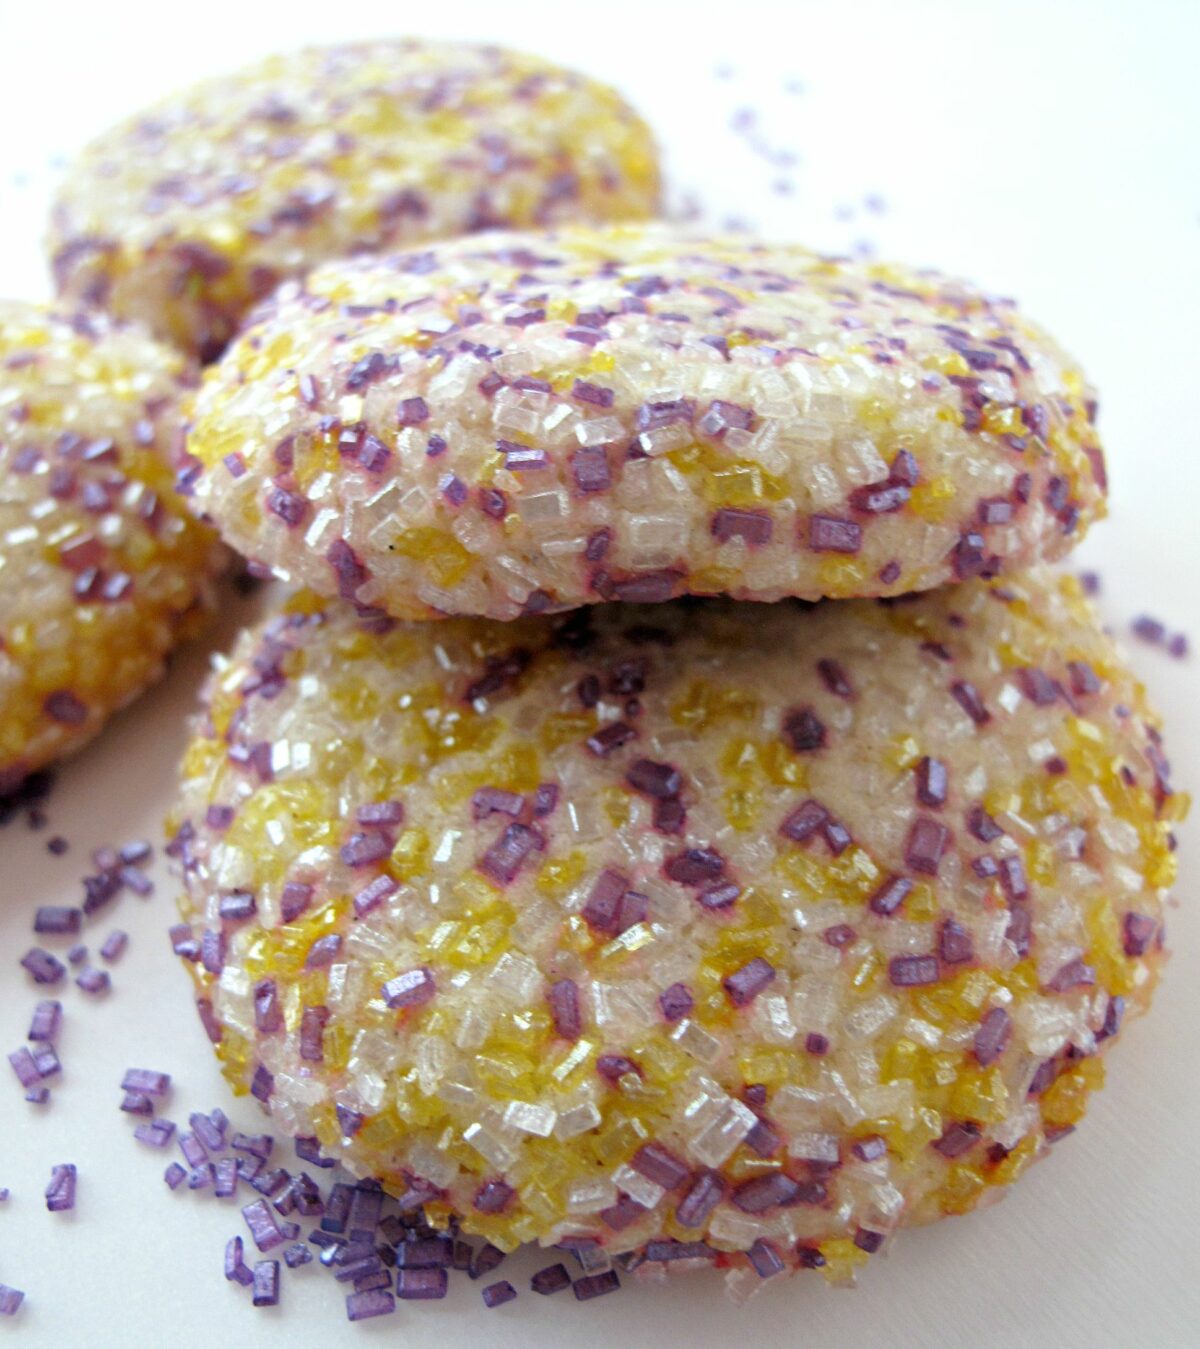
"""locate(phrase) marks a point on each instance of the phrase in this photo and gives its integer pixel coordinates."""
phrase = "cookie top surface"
(101, 566)
(518, 423)
(702, 921)
(185, 214)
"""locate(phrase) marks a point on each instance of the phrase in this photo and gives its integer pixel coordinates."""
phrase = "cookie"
(522, 423)
(102, 569)
(703, 930)
(186, 214)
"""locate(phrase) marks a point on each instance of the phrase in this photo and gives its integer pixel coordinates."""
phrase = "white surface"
(1046, 150)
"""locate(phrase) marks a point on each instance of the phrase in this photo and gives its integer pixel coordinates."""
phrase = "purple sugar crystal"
(890, 895)
(552, 1279)
(60, 1193)
(497, 1294)
(833, 534)
(675, 1002)
(660, 781)
(804, 821)
(421, 1285)
(913, 971)
(266, 1283)
(932, 783)
(410, 989)
(744, 985)
(563, 997)
(504, 859)
(992, 1036)
(373, 1302)
(957, 1138)
(803, 730)
(596, 1285)
(927, 842)
(660, 1165)
(764, 1192)
(705, 1194)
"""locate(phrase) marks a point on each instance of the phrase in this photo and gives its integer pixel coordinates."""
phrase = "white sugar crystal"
(772, 1020)
(889, 1099)
(234, 982)
(370, 1087)
(845, 1101)
(815, 1004)
(341, 985)
(531, 1118)
(572, 1060)
(734, 1229)
(1129, 880)
(510, 416)
(1009, 1132)
(1044, 1024)
(637, 1186)
(696, 1041)
(301, 1090)
(870, 1017)
(446, 846)
(590, 1196)
(1015, 823)
(473, 1028)
(431, 1163)
(814, 1147)
(537, 921)
(430, 1057)
(512, 365)
(648, 532)
(599, 431)
(815, 434)
(577, 1120)
(925, 1032)
(663, 439)
(556, 417)
(1009, 697)
(489, 1146)
(543, 508)
(453, 380)
(571, 546)
(1118, 835)
(715, 1142)
(457, 1093)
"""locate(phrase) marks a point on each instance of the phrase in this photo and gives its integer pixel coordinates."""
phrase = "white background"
(1046, 150)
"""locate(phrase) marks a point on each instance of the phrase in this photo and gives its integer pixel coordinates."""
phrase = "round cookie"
(102, 569)
(522, 422)
(704, 923)
(187, 213)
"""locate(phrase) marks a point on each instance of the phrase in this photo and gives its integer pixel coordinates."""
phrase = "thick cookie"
(186, 214)
(521, 423)
(102, 569)
(704, 923)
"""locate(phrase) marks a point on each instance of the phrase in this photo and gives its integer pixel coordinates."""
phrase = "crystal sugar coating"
(186, 214)
(102, 569)
(518, 423)
(789, 1002)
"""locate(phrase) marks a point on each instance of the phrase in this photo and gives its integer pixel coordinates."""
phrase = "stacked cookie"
(689, 928)
(673, 810)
